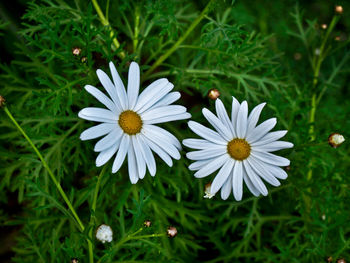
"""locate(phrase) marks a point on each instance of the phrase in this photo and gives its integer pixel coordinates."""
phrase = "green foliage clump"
(275, 53)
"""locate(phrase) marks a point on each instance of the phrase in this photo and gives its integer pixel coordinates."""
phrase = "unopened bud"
(83, 59)
(324, 26)
(147, 223)
(171, 231)
(76, 51)
(329, 259)
(341, 260)
(74, 260)
(297, 56)
(317, 51)
(104, 233)
(337, 38)
(213, 94)
(2, 101)
(207, 192)
(335, 140)
(338, 9)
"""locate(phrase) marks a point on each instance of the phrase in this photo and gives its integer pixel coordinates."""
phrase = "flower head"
(240, 148)
(335, 140)
(171, 231)
(128, 123)
(104, 233)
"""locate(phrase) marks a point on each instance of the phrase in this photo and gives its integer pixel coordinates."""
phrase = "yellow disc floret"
(130, 122)
(238, 149)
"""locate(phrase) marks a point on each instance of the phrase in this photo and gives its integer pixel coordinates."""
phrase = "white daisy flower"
(128, 122)
(239, 148)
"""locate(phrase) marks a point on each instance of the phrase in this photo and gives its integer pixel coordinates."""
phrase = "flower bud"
(324, 26)
(147, 223)
(83, 60)
(207, 191)
(338, 9)
(213, 94)
(317, 51)
(2, 101)
(74, 260)
(104, 233)
(329, 259)
(341, 260)
(335, 140)
(297, 56)
(171, 231)
(76, 51)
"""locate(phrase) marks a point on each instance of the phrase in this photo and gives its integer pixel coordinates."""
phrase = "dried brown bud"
(335, 140)
(74, 260)
(341, 260)
(2, 101)
(324, 26)
(83, 59)
(337, 38)
(76, 51)
(287, 168)
(213, 94)
(338, 9)
(147, 223)
(297, 56)
(171, 231)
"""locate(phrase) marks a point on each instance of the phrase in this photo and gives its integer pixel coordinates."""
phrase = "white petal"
(160, 112)
(101, 97)
(97, 131)
(150, 95)
(237, 181)
(202, 144)
(105, 155)
(271, 158)
(164, 134)
(108, 85)
(159, 151)
(212, 166)
(217, 124)
(163, 143)
(205, 154)
(250, 185)
(112, 138)
(254, 178)
(226, 188)
(206, 133)
(262, 171)
(147, 155)
(199, 164)
(97, 113)
(119, 86)
(273, 146)
(182, 116)
(276, 171)
(168, 99)
(261, 130)
(222, 176)
(242, 118)
(223, 117)
(254, 117)
(123, 149)
(270, 137)
(132, 165)
(234, 113)
(133, 84)
(141, 164)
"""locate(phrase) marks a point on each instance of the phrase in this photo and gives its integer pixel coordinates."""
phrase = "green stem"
(105, 22)
(136, 29)
(53, 178)
(93, 211)
(205, 11)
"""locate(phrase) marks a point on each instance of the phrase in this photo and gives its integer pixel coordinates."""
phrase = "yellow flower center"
(238, 149)
(130, 122)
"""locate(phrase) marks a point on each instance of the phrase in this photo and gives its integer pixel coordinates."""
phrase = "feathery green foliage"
(274, 52)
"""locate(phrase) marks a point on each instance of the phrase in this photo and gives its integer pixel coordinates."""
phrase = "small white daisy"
(128, 122)
(239, 148)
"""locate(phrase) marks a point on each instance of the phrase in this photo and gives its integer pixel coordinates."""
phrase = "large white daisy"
(128, 122)
(239, 148)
